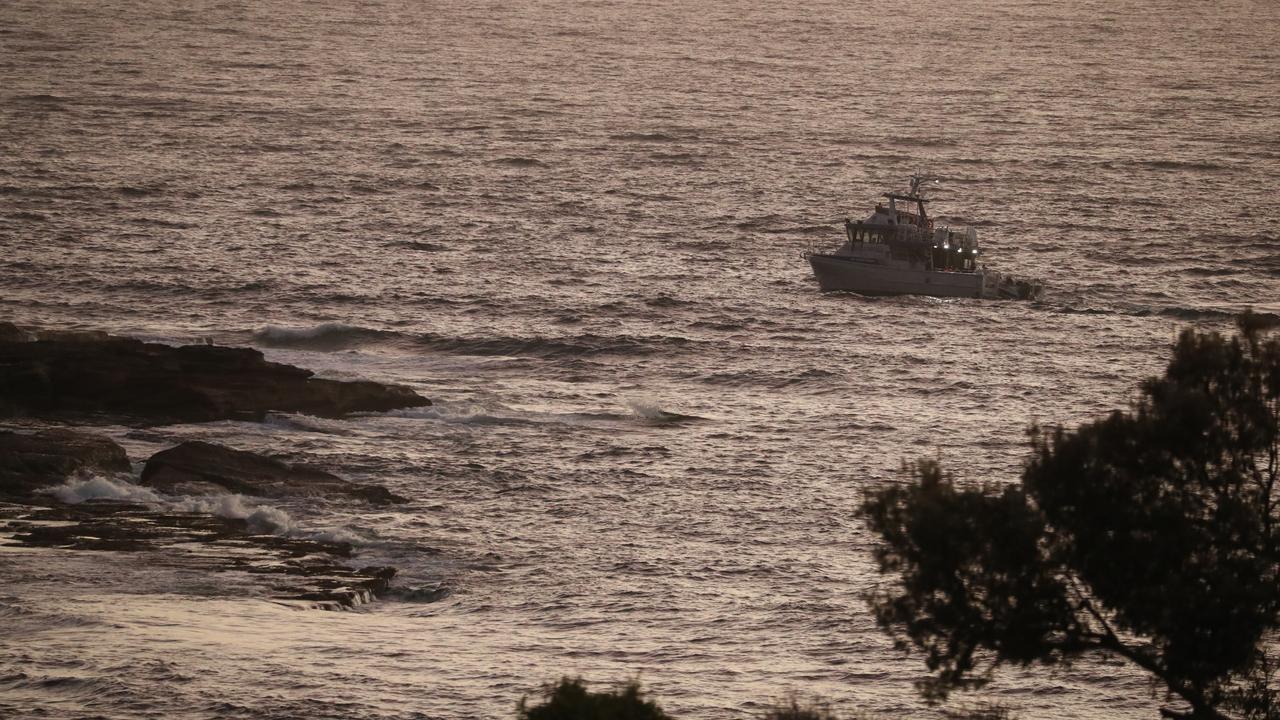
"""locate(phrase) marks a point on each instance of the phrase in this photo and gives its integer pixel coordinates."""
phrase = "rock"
(196, 467)
(32, 461)
(303, 573)
(95, 377)
(12, 333)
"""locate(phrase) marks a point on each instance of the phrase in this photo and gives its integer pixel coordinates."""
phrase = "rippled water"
(577, 227)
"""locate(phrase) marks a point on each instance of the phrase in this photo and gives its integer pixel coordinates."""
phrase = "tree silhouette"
(569, 699)
(1150, 535)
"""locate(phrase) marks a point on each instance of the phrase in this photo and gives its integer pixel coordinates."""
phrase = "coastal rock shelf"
(92, 377)
(32, 461)
(52, 378)
(196, 467)
(305, 573)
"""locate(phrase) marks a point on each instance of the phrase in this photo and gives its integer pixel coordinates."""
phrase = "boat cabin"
(904, 231)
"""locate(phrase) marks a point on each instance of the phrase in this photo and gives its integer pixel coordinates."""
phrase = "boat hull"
(835, 272)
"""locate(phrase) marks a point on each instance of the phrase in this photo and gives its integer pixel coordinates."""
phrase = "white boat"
(899, 250)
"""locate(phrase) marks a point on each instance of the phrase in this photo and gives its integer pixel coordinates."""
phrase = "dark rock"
(93, 376)
(303, 572)
(32, 461)
(12, 333)
(345, 588)
(201, 467)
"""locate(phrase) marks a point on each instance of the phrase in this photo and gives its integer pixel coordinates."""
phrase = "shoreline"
(65, 486)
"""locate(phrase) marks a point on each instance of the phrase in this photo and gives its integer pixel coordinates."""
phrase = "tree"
(1151, 535)
(569, 699)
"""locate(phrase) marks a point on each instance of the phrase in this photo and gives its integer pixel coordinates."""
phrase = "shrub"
(569, 699)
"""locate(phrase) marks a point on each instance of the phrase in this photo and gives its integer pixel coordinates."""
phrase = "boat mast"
(918, 196)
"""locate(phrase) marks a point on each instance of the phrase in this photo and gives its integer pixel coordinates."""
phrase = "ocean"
(577, 227)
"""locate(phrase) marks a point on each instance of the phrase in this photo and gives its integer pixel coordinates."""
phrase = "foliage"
(791, 709)
(1150, 535)
(569, 699)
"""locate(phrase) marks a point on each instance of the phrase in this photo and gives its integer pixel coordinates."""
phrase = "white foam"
(265, 519)
(98, 487)
(278, 334)
(461, 413)
(647, 409)
(336, 535)
(261, 518)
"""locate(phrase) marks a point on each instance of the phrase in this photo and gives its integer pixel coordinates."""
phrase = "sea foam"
(261, 518)
(98, 487)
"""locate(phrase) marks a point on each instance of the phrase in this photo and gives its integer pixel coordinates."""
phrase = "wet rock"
(303, 572)
(32, 461)
(95, 377)
(196, 467)
(12, 333)
(340, 588)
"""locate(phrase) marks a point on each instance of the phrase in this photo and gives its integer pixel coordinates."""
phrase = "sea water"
(577, 227)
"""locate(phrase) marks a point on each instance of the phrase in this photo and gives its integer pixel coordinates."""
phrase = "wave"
(497, 414)
(40, 98)
(650, 412)
(424, 594)
(1180, 165)
(1210, 271)
(926, 142)
(666, 301)
(518, 162)
(135, 191)
(340, 336)
(587, 344)
(1192, 314)
(161, 222)
(643, 137)
(717, 326)
(417, 245)
(812, 376)
(259, 517)
(1188, 314)
(673, 157)
(27, 215)
(98, 487)
(436, 412)
(328, 336)
(14, 611)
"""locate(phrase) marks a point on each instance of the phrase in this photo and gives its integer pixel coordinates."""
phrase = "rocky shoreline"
(95, 378)
(53, 384)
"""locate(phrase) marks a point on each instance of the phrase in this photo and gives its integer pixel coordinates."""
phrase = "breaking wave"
(339, 336)
(650, 412)
(261, 518)
(329, 336)
(434, 592)
(98, 487)
(576, 346)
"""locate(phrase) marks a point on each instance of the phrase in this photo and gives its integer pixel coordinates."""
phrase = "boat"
(899, 250)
